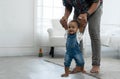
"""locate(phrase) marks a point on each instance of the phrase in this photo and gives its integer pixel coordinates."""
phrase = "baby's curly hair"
(78, 24)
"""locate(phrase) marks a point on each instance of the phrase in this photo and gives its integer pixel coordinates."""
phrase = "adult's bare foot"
(95, 69)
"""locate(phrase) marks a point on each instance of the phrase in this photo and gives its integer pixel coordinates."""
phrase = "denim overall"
(73, 51)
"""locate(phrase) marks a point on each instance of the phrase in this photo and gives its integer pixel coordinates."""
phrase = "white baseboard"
(17, 51)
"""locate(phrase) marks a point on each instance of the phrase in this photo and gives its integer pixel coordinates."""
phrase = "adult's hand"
(63, 22)
(82, 19)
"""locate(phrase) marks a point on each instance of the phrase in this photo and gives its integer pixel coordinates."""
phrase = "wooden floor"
(33, 67)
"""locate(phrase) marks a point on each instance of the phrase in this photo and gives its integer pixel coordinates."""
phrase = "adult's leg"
(94, 31)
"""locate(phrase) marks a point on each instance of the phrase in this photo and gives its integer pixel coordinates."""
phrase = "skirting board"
(17, 51)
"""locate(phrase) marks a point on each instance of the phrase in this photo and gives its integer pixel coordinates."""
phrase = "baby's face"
(72, 28)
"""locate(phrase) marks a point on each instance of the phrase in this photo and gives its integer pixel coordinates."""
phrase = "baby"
(73, 49)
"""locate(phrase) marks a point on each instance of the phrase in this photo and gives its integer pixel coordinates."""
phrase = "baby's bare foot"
(65, 75)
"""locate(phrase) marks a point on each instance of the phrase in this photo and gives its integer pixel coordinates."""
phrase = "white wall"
(17, 27)
(111, 12)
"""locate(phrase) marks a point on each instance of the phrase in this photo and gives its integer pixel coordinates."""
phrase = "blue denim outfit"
(73, 51)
